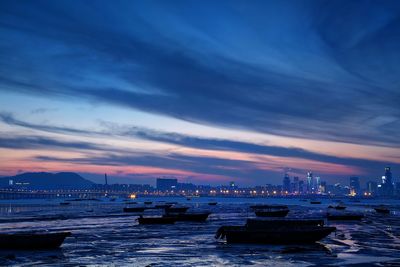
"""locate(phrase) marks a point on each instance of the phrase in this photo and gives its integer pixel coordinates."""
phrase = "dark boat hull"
(275, 236)
(156, 220)
(257, 207)
(345, 217)
(263, 224)
(134, 209)
(271, 213)
(32, 241)
(176, 209)
(383, 211)
(193, 217)
(212, 203)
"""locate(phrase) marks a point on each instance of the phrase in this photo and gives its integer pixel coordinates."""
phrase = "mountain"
(47, 181)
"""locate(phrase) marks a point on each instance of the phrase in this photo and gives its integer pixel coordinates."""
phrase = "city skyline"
(251, 93)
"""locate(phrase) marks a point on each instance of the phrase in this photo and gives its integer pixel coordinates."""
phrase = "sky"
(204, 91)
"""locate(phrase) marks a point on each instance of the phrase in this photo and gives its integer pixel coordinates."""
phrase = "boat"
(315, 202)
(337, 207)
(32, 240)
(344, 216)
(176, 209)
(156, 220)
(280, 235)
(212, 203)
(64, 203)
(258, 207)
(193, 216)
(263, 223)
(276, 231)
(162, 206)
(382, 209)
(148, 202)
(134, 209)
(272, 213)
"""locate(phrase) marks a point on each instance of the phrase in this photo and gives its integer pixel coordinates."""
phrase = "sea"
(103, 235)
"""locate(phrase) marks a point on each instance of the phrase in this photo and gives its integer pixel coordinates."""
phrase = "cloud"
(312, 69)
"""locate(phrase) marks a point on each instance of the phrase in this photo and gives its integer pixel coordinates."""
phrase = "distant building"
(317, 184)
(310, 183)
(355, 186)
(323, 188)
(166, 184)
(301, 187)
(286, 183)
(372, 187)
(387, 187)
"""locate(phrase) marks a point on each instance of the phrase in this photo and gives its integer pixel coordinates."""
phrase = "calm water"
(103, 235)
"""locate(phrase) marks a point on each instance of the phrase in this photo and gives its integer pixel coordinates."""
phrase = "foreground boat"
(176, 209)
(261, 207)
(272, 213)
(276, 231)
(134, 209)
(156, 220)
(194, 216)
(32, 240)
(282, 235)
(344, 216)
(382, 209)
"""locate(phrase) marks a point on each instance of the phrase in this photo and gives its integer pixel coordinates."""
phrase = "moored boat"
(382, 209)
(134, 209)
(32, 240)
(193, 216)
(258, 207)
(344, 216)
(176, 209)
(284, 222)
(272, 212)
(156, 220)
(282, 235)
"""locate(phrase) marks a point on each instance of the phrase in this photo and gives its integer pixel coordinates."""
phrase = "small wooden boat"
(193, 216)
(279, 235)
(162, 206)
(382, 209)
(261, 207)
(148, 202)
(272, 213)
(337, 207)
(32, 240)
(134, 209)
(212, 203)
(284, 222)
(344, 216)
(156, 220)
(176, 209)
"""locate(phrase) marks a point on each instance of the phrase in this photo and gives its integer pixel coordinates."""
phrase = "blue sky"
(205, 91)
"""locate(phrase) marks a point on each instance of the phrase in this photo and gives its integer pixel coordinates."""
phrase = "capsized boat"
(32, 240)
(192, 216)
(279, 231)
(156, 220)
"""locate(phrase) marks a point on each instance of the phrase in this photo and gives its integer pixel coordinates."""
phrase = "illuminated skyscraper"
(286, 183)
(387, 187)
(309, 182)
(354, 185)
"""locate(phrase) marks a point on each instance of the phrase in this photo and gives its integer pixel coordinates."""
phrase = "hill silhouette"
(47, 181)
